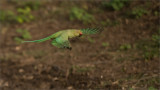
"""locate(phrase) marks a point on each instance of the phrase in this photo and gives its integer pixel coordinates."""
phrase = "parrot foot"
(70, 48)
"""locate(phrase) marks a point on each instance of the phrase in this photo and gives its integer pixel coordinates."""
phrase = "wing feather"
(62, 42)
(89, 31)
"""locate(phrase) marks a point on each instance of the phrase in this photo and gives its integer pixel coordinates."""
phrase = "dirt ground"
(90, 64)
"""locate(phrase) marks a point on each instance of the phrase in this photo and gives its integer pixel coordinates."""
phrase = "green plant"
(81, 15)
(131, 89)
(156, 38)
(115, 4)
(148, 55)
(137, 12)
(152, 88)
(150, 48)
(24, 34)
(91, 40)
(156, 13)
(7, 16)
(18, 40)
(105, 44)
(125, 47)
(34, 5)
(24, 15)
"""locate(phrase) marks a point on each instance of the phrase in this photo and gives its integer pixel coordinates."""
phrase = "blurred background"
(123, 56)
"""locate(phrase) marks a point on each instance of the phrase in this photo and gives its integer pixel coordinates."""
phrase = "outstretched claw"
(70, 48)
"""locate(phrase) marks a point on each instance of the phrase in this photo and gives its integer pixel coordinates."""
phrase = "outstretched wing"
(89, 31)
(62, 42)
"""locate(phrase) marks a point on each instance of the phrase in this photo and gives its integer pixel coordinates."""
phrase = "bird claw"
(70, 48)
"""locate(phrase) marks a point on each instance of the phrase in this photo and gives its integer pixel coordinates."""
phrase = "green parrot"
(61, 38)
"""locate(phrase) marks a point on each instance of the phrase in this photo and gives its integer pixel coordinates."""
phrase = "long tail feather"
(40, 40)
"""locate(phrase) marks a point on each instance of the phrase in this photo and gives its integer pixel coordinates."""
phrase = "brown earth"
(89, 65)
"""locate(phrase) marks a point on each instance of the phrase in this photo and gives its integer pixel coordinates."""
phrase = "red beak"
(80, 34)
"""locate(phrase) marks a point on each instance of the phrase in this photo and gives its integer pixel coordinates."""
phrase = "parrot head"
(78, 33)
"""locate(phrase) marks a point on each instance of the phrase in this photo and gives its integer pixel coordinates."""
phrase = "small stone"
(101, 76)
(55, 79)
(70, 87)
(18, 48)
(6, 84)
(30, 77)
(116, 82)
(21, 70)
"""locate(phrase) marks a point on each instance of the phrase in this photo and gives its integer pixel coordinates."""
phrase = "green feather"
(61, 41)
(40, 40)
(44, 39)
(88, 31)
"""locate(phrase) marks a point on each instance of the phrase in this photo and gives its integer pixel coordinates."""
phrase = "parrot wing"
(89, 31)
(62, 42)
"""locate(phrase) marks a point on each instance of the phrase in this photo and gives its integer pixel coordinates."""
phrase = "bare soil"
(89, 65)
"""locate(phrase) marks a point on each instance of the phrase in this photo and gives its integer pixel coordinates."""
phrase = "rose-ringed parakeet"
(61, 38)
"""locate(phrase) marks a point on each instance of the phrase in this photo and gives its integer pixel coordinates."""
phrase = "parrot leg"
(63, 45)
(70, 48)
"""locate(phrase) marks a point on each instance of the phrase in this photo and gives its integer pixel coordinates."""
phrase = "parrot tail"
(40, 40)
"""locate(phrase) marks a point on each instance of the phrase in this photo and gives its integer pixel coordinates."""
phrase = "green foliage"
(156, 38)
(81, 15)
(148, 55)
(18, 40)
(105, 44)
(125, 47)
(6, 16)
(150, 47)
(108, 22)
(152, 88)
(137, 13)
(156, 13)
(24, 15)
(115, 4)
(91, 40)
(25, 10)
(151, 50)
(34, 5)
(147, 49)
(24, 34)
(131, 89)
